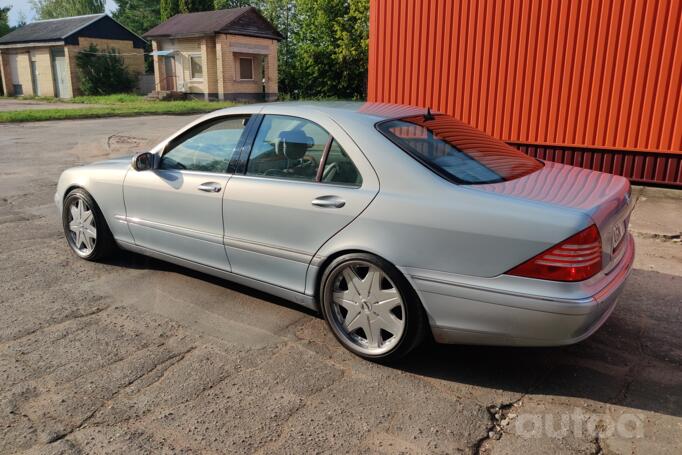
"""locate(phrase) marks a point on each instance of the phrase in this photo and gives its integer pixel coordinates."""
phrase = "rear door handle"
(210, 187)
(331, 202)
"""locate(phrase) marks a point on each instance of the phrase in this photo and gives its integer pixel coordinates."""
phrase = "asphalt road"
(138, 356)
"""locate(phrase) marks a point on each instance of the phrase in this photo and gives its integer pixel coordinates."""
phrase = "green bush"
(102, 73)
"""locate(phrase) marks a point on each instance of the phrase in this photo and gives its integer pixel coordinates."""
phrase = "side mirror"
(143, 161)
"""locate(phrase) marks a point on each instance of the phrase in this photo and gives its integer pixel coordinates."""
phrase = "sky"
(24, 6)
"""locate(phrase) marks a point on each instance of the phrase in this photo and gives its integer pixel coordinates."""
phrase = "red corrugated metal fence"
(593, 83)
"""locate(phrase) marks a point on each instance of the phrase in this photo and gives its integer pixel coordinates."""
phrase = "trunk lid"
(604, 197)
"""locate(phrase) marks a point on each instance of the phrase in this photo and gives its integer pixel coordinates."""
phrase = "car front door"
(302, 183)
(176, 208)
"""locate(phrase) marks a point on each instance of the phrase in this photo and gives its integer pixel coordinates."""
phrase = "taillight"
(575, 259)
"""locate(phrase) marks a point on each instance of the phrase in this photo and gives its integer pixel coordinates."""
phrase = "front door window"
(207, 148)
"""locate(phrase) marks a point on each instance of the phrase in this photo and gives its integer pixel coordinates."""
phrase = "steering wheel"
(308, 160)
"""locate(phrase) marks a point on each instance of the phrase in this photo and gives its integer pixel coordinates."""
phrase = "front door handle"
(210, 187)
(332, 202)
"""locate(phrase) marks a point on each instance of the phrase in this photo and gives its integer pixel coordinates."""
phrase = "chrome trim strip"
(287, 294)
(232, 242)
(192, 233)
(317, 260)
(267, 249)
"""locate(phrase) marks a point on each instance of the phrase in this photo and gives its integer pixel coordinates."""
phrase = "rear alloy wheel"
(84, 226)
(370, 307)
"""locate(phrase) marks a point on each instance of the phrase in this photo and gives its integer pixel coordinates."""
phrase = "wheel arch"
(80, 186)
(70, 188)
(330, 258)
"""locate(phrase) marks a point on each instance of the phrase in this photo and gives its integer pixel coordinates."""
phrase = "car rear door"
(302, 182)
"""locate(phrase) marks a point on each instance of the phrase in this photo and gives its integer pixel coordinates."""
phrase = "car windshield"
(457, 151)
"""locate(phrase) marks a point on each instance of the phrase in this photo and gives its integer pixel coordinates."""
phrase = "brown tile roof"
(241, 21)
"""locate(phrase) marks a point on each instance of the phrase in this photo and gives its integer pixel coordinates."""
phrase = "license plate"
(618, 234)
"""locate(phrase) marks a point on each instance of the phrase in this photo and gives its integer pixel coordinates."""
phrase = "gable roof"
(64, 28)
(49, 30)
(237, 21)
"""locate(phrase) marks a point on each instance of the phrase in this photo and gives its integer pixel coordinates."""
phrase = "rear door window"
(287, 147)
(339, 169)
(457, 151)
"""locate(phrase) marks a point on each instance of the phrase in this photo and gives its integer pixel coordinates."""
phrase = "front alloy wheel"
(85, 229)
(82, 227)
(370, 307)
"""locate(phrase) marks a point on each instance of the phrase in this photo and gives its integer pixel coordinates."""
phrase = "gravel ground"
(138, 356)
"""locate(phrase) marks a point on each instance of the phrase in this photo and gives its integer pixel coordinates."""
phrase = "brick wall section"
(70, 53)
(159, 69)
(187, 47)
(219, 63)
(133, 58)
(231, 85)
(43, 60)
(210, 67)
(135, 64)
(220, 44)
(43, 71)
(24, 70)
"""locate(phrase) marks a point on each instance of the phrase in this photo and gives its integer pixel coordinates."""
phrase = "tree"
(329, 42)
(103, 72)
(138, 15)
(325, 47)
(169, 8)
(53, 9)
(225, 4)
(351, 52)
(281, 14)
(191, 6)
(4, 21)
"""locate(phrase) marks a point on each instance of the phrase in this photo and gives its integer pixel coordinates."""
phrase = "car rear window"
(457, 151)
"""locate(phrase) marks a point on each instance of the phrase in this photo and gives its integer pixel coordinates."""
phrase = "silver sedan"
(396, 223)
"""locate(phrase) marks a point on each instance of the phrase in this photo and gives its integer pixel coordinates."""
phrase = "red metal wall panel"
(600, 78)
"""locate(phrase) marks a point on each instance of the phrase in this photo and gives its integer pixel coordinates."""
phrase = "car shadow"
(634, 360)
(130, 260)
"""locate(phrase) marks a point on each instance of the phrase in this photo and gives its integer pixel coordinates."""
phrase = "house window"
(195, 67)
(245, 69)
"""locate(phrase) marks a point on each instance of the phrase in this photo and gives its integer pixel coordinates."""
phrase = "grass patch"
(121, 105)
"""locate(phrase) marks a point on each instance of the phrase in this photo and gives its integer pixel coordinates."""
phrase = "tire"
(379, 317)
(85, 228)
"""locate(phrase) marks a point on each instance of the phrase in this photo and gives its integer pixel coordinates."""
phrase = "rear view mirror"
(143, 161)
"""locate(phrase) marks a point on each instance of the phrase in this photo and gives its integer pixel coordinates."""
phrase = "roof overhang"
(163, 53)
(249, 48)
(32, 44)
(178, 36)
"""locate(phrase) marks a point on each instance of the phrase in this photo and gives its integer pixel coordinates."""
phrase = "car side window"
(287, 147)
(339, 169)
(208, 147)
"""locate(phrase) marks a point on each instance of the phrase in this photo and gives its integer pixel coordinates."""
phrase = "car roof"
(338, 109)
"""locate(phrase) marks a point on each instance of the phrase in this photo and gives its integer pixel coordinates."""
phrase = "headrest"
(293, 144)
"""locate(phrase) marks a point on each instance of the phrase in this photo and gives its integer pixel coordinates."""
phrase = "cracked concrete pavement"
(138, 356)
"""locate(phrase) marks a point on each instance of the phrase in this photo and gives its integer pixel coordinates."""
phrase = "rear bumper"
(469, 314)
